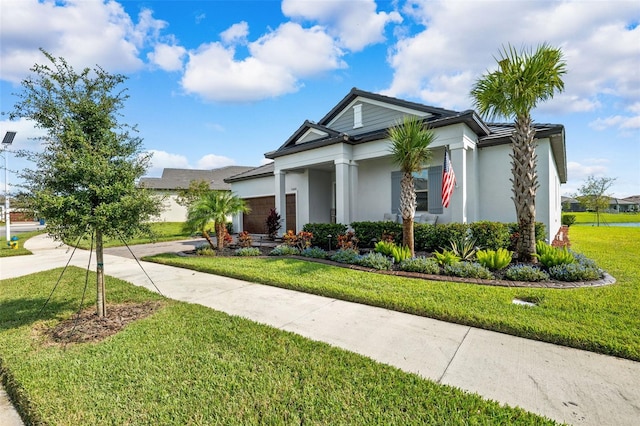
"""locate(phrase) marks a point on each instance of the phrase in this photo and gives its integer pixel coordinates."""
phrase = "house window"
(421, 186)
(357, 116)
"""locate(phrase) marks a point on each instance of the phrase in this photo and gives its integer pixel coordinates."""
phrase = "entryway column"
(353, 201)
(343, 191)
(281, 200)
(459, 196)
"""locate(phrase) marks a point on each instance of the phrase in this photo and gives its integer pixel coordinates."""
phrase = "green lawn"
(188, 364)
(589, 218)
(601, 319)
(161, 231)
(6, 251)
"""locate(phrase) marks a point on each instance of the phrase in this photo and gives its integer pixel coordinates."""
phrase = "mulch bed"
(87, 327)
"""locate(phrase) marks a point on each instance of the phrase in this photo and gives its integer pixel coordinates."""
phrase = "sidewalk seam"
(307, 314)
(454, 355)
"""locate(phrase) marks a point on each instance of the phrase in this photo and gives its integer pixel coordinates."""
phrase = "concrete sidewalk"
(567, 385)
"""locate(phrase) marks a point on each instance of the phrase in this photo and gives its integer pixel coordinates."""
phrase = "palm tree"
(410, 142)
(512, 91)
(214, 206)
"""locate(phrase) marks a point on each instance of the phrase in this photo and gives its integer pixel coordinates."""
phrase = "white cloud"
(354, 22)
(167, 57)
(237, 33)
(580, 172)
(212, 161)
(271, 69)
(84, 32)
(162, 159)
(597, 38)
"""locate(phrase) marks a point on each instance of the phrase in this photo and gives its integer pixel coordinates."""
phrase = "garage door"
(255, 222)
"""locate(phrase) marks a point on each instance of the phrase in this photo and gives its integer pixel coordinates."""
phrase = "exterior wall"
(374, 189)
(320, 196)
(495, 203)
(171, 210)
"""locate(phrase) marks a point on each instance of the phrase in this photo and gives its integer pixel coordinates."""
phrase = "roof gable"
(182, 178)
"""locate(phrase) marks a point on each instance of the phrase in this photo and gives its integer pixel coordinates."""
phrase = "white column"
(459, 197)
(353, 174)
(281, 199)
(343, 195)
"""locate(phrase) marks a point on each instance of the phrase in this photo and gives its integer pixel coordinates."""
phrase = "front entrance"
(255, 222)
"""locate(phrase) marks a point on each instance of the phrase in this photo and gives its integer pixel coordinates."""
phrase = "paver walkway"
(567, 385)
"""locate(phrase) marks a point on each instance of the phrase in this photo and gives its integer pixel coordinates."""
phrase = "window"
(421, 186)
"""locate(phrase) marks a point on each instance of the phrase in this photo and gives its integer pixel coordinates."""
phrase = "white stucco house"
(340, 169)
(172, 180)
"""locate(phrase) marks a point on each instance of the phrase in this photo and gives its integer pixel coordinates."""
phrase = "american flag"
(448, 179)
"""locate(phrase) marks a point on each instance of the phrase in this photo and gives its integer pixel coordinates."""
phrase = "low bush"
(447, 257)
(321, 232)
(568, 219)
(284, 250)
(468, 270)
(552, 256)
(349, 256)
(368, 233)
(424, 265)
(244, 239)
(447, 232)
(494, 259)
(347, 241)
(248, 251)
(376, 261)
(574, 272)
(384, 247)
(425, 237)
(205, 250)
(523, 272)
(490, 235)
(314, 252)
(464, 247)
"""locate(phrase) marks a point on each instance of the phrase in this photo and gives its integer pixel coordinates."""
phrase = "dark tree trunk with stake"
(101, 301)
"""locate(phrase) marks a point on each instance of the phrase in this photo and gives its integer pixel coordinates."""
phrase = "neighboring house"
(570, 204)
(615, 205)
(340, 169)
(172, 180)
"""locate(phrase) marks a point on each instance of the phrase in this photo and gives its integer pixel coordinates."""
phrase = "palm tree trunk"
(524, 186)
(407, 210)
(207, 237)
(100, 293)
(220, 235)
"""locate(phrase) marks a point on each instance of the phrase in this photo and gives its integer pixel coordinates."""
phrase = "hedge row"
(487, 235)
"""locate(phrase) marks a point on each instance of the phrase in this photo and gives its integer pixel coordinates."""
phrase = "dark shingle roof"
(258, 172)
(181, 178)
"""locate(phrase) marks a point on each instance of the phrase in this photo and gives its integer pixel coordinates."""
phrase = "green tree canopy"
(85, 178)
(593, 195)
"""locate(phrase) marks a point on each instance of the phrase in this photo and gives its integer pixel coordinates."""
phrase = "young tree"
(197, 188)
(410, 142)
(214, 206)
(521, 81)
(593, 194)
(84, 180)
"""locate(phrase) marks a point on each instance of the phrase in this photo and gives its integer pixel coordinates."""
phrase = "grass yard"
(161, 231)
(603, 320)
(187, 364)
(6, 251)
(583, 218)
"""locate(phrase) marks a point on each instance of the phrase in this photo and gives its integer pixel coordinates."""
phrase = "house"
(615, 205)
(340, 169)
(172, 180)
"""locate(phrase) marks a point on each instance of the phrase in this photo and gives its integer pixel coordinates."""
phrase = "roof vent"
(357, 116)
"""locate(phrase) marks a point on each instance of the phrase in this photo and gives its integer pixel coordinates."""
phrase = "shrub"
(574, 272)
(490, 235)
(468, 270)
(315, 252)
(273, 223)
(568, 219)
(284, 250)
(400, 253)
(248, 251)
(424, 265)
(522, 272)
(494, 259)
(367, 232)
(205, 250)
(447, 257)
(463, 247)
(347, 241)
(376, 261)
(244, 239)
(425, 237)
(346, 256)
(301, 240)
(384, 247)
(321, 232)
(447, 232)
(584, 260)
(551, 256)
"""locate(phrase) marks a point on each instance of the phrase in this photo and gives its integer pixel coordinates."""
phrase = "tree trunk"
(207, 237)
(525, 184)
(220, 235)
(407, 209)
(100, 296)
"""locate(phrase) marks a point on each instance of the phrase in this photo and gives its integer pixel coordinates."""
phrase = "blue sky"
(216, 83)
